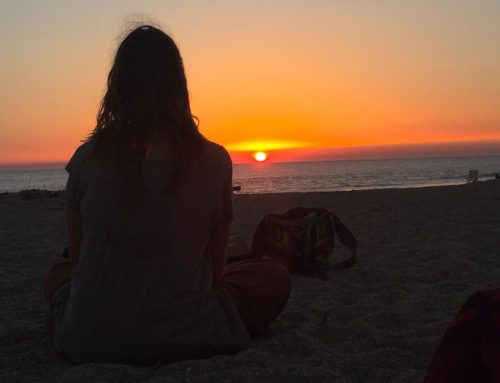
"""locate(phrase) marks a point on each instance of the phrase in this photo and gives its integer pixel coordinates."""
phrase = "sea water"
(361, 174)
(283, 177)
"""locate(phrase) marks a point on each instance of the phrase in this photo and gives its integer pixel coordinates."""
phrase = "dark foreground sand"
(422, 251)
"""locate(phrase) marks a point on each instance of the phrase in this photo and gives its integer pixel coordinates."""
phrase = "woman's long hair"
(147, 92)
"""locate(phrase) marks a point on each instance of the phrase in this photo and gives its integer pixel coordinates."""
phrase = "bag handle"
(344, 234)
(348, 240)
(297, 221)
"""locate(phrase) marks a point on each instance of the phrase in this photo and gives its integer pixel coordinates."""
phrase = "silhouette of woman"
(149, 206)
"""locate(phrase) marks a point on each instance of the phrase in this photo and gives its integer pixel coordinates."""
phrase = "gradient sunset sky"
(305, 75)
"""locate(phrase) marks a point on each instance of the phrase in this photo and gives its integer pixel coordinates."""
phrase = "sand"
(421, 253)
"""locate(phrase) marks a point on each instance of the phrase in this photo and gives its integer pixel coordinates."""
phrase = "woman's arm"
(74, 226)
(218, 245)
(222, 221)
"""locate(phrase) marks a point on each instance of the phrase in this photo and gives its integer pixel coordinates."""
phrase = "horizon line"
(354, 151)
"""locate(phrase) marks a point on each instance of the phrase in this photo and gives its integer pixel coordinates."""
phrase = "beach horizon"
(308, 176)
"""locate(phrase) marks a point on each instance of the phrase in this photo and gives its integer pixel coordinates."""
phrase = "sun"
(260, 156)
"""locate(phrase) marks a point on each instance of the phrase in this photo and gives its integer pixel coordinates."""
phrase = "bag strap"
(286, 222)
(260, 237)
(348, 240)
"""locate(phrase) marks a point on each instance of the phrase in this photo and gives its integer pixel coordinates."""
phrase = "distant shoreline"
(41, 193)
(324, 176)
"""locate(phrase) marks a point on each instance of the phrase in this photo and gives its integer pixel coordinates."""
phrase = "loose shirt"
(142, 288)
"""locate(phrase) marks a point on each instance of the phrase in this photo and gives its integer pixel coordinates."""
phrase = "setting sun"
(260, 156)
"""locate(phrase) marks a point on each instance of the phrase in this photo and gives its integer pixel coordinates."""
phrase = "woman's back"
(143, 279)
(149, 209)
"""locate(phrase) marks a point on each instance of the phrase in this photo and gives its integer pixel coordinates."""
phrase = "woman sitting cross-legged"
(149, 211)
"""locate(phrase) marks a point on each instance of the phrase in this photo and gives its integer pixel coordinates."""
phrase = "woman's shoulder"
(216, 152)
(81, 155)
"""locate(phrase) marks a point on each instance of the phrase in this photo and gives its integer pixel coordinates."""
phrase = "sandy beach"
(421, 253)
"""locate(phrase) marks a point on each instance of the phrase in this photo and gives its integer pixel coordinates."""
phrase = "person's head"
(147, 92)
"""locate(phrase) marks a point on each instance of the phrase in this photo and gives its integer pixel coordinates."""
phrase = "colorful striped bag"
(302, 239)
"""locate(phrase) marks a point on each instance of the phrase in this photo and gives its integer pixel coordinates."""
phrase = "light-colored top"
(142, 289)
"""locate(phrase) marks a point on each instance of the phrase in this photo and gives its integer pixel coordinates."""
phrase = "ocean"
(284, 177)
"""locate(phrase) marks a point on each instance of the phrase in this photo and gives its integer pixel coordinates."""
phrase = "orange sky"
(313, 74)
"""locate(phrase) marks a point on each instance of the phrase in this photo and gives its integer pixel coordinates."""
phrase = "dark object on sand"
(472, 176)
(37, 193)
(470, 346)
(302, 239)
(237, 188)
